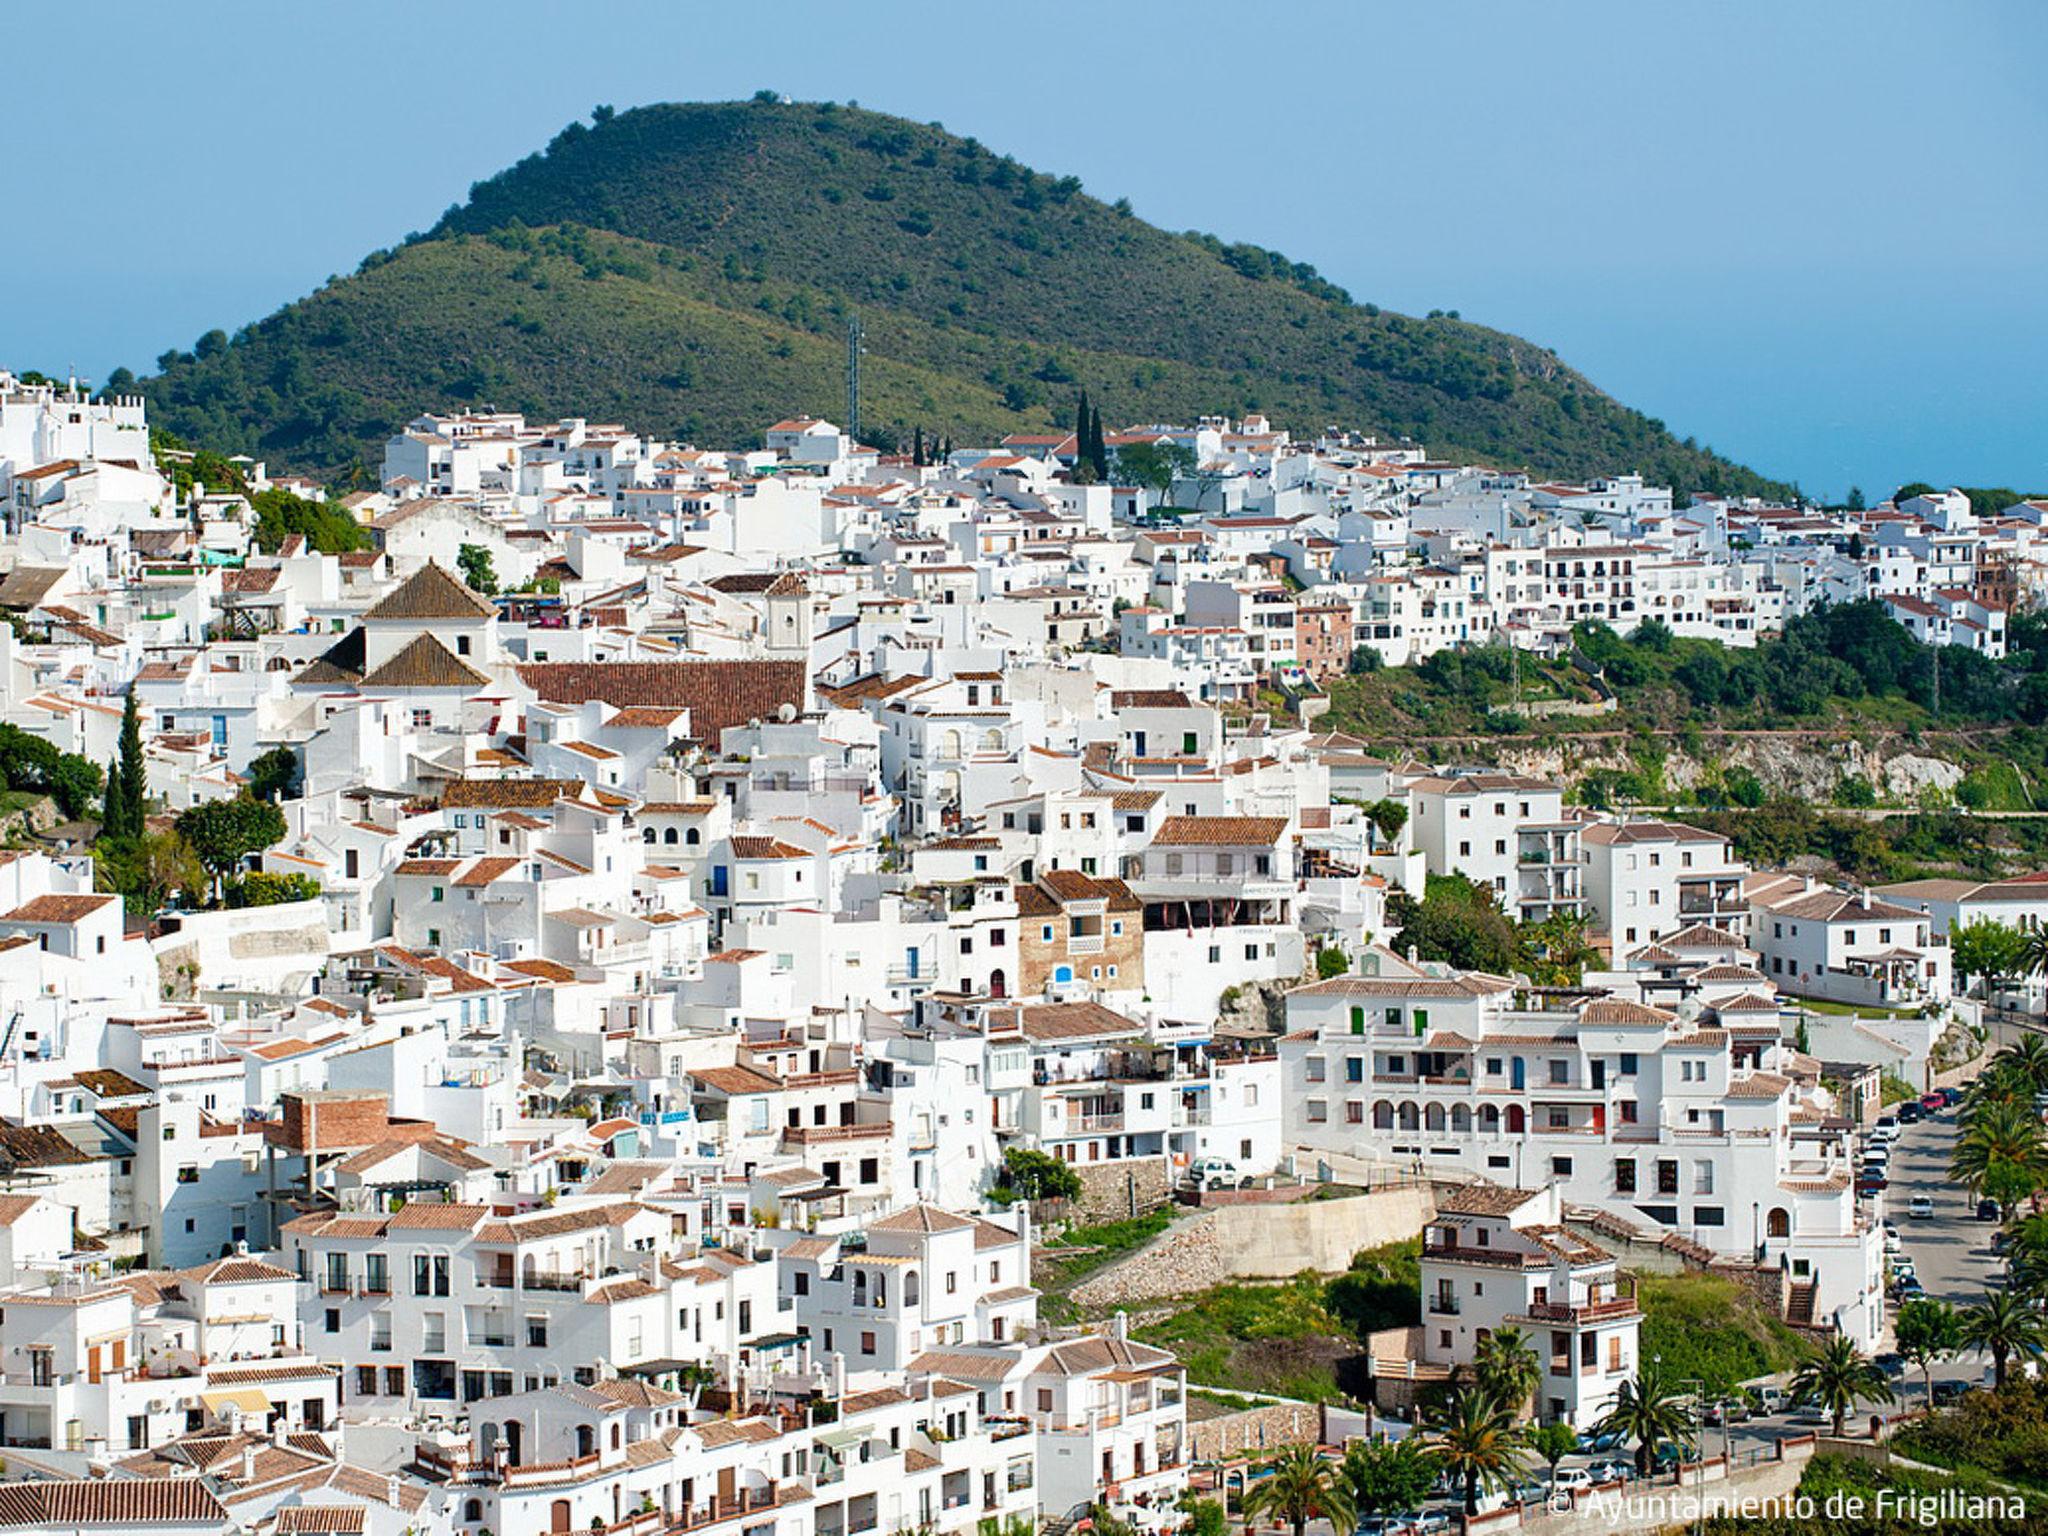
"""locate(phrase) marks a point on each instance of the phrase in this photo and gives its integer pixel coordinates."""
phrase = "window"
(337, 1272)
(1354, 1069)
(1318, 1112)
(1560, 1167)
(867, 1343)
(1624, 1175)
(1628, 1062)
(1709, 1216)
(1560, 1071)
(376, 1273)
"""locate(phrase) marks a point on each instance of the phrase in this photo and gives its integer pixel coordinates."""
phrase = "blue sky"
(1809, 233)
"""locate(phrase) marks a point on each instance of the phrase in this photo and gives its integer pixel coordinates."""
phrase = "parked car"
(1892, 1243)
(1892, 1363)
(1617, 1471)
(1887, 1128)
(1921, 1208)
(1871, 1183)
(1593, 1445)
(1951, 1097)
(1769, 1398)
(1213, 1173)
(1934, 1101)
(1912, 1290)
(1950, 1391)
(1987, 1210)
(1910, 1111)
(1573, 1479)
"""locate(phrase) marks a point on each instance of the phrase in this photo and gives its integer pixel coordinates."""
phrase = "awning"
(248, 1399)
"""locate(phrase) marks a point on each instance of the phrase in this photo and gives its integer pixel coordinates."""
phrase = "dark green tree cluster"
(223, 833)
(32, 764)
(127, 792)
(327, 528)
(1091, 454)
(478, 569)
(1456, 922)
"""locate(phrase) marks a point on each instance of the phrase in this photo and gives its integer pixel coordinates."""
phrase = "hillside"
(688, 269)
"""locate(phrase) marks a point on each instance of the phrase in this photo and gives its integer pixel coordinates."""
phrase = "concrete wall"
(1277, 1242)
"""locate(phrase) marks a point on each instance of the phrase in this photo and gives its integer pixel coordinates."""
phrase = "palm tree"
(2027, 1057)
(1648, 1412)
(1302, 1487)
(2005, 1326)
(1505, 1365)
(1928, 1332)
(1388, 1476)
(2026, 1258)
(1837, 1378)
(1478, 1442)
(2000, 1136)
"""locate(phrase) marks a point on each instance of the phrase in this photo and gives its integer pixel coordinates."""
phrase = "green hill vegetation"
(1710, 1329)
(689, 269)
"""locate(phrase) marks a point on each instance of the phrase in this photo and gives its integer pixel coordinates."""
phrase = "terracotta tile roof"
(718, 694)
(498, 794)
(426, 663)
(131, 1504)
(57, 909)
(1219, 831)
(428, 594)
(484, 871)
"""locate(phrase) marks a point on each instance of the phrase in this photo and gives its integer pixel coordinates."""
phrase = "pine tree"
(114, 808)
(134, 771)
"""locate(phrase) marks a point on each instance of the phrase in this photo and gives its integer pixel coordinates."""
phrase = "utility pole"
(853, 351)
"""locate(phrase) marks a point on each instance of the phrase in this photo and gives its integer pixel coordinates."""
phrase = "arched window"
(693, 837)
(647, 836)
(1779, 1222)
(1461, 1119)
(1489, 1119)
(1383, 1116)
(1410, 1120)
(668, 837)
(910, 1289)
(473, 1510)
(1433, 1117)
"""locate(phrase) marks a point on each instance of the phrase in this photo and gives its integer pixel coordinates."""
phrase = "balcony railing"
(1444, 1306)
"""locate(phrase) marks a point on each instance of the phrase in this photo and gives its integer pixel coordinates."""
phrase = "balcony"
(1605, 1308)
(1444, 1306)
(552, 1280)
(1094, 1123)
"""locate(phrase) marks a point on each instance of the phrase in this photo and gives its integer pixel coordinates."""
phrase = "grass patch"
(1851, 1010)
(1293, 1338)
(1094, 1248)
(1712, 1329)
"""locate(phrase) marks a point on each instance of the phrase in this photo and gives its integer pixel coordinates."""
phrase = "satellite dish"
(785, 712)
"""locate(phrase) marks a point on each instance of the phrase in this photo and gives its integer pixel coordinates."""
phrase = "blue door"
(1516, 1068)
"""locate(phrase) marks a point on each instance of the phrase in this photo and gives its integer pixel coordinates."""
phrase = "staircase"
(1799, 1304)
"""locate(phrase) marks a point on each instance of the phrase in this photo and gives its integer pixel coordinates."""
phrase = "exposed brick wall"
(328, 1121)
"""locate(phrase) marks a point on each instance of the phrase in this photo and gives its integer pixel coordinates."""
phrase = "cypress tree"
(114, 808)
(134, 771)
(1097, 449)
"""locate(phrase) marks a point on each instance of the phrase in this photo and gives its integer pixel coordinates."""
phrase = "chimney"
(248, 1464)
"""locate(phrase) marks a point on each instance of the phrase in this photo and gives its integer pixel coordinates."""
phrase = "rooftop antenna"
(853, 351)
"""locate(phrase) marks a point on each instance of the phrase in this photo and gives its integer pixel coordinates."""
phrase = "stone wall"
(1112, 1191)
(1256, 1431)
(1274, 1243)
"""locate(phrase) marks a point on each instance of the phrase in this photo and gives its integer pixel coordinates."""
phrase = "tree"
(477, 569)
(113, 804)
(1456, 922)
(225, 832)
(2027, 1057)
(1855, 498)
(261, 889)
(134, 768)
(1205, 1517)
(1837, 1378)
(1388, 817)
(2005, 1326)
(1156, 466)
(1331, 962)
(1556, 951)
(1038, 1176)
(1648, 1411)
(1988, 948)
(1302, 1486)
(1477, 1441)
(2000, 1136)
(275, 774)
(1928, 1332)
(148, 870)
(1388, 1477)
(1505, 1365)
(327, 529)
(1553, 1442)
